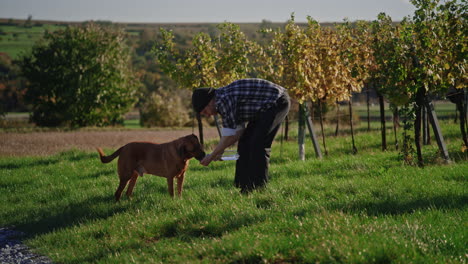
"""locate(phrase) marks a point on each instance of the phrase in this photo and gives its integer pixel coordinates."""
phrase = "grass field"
(364, 208)
(16, 39)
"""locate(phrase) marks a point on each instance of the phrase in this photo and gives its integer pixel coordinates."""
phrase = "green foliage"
(164, 109)
(80, 76)
(391, 58)
(190, 69)
(11, 86)
(425, 52)
(210, 62)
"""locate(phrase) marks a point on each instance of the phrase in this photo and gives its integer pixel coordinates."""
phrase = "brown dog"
(169, 160)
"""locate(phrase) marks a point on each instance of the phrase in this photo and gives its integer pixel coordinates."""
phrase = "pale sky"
(172, 11)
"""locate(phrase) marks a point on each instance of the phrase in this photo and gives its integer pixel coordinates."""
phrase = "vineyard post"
(305, 119)
(321, 126)
(437, 131)
(337, 118)
(312, 134)
(367, 87)
(301, 132)
(382, 122)
(396, 124)
(420, 95)
(200, 128)
(426, 135)
(350, 105)
(216, 119)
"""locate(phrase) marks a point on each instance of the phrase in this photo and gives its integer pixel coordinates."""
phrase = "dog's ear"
(182, 151)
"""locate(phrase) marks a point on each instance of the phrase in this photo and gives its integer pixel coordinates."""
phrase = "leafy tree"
(80, 76)
(418, 58)
(11, 86)
(210, 62)
(452, 20)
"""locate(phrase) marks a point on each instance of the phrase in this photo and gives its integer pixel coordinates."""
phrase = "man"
(260, 104)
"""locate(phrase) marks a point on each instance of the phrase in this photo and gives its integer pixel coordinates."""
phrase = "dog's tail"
(107, 159)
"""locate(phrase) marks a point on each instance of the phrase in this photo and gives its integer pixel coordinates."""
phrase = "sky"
(199, 11)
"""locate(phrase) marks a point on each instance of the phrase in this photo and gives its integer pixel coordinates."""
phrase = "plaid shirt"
(242, 100)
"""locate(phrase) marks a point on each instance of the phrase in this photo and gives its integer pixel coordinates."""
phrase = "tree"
(80, 76)
(452, 20)
(210, 62)
(419, 58)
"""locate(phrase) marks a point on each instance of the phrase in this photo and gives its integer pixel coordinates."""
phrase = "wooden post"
(351, 125)
(425, 126)
(217, 125)
(368, 106)
(382, 122)
(312, 134)
(437, 131)
(301, 132)
(200, 128)
(396, 124)
(321, 127)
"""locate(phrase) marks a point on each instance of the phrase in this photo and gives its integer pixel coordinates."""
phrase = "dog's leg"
(180, 182)
(133, 181)
(170, 186)
(118, 193)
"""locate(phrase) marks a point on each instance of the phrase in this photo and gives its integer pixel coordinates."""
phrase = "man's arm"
(225, 142)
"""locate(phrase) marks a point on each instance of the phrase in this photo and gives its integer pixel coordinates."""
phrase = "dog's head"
(190, 147)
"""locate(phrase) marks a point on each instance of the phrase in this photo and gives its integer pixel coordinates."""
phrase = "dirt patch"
(48, 143)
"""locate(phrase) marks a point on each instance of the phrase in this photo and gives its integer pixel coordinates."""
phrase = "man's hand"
(209, 158)
(224, 142)
(206, 160)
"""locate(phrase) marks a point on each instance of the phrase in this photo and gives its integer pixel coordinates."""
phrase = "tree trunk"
(301, 132)
(313, 137)
(382, 122)
(417, 124)
(368, 107)
(462, 123)
(337, 118)
(351, 124)
(396, 125)
(459, 98)
(425, 126)
(321, 127)
(217, 125)
(200, 128)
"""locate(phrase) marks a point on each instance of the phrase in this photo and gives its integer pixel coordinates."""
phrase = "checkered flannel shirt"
(242, 100)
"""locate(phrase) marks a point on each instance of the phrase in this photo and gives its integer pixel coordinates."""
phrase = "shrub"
(80, 76)
(164, 109)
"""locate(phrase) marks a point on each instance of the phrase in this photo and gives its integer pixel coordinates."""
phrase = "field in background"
(15, 39)
(364, 208)
(445, 111)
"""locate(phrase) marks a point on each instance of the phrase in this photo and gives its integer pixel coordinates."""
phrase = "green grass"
(364, 208)
(16, 40)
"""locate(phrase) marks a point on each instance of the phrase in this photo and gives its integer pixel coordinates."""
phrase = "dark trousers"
(254, 146)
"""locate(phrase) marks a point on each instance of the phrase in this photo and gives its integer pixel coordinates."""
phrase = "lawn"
(364, 208)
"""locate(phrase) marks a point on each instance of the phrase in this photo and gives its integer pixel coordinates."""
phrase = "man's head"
(201, 98)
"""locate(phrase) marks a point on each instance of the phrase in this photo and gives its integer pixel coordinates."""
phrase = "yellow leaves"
(464, 148)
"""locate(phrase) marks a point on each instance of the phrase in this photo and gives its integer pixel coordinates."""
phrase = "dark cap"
(201, 97)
